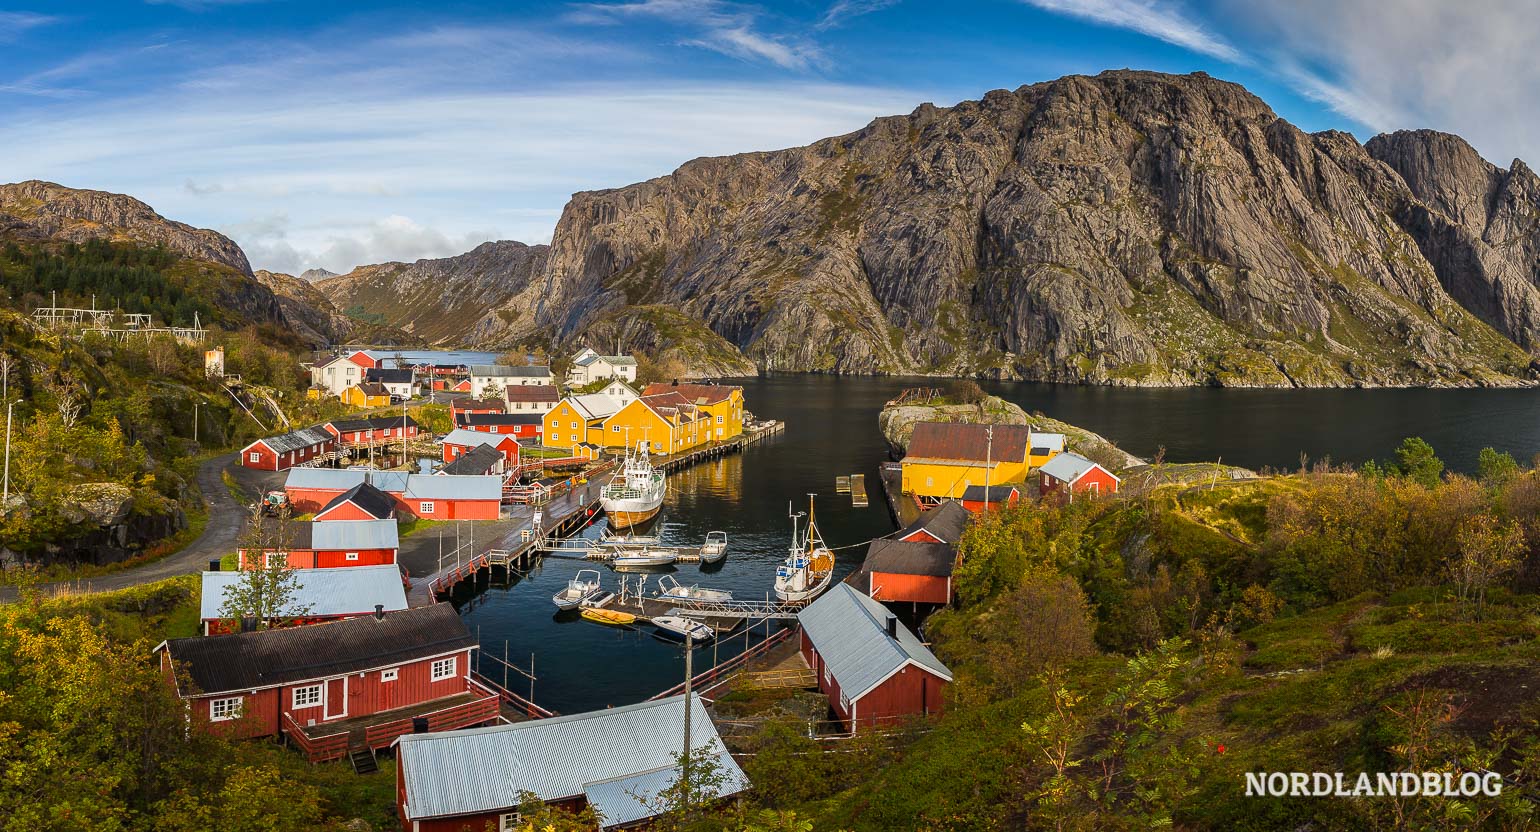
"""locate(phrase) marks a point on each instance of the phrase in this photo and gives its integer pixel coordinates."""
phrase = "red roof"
(533, 393)
(694, 393)
(960, 441)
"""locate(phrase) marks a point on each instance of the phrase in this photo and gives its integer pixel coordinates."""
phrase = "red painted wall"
(269, 460)
(306, 500)
(346, 511)
(362, 359)
(921, 536)
(909, 692)
(452, 509)
(330, 558)
(925, 589)
(522, 431)
(1095, 481)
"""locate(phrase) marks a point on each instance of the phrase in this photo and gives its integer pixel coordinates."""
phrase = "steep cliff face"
(454, 300)
(210, 265)
(1131, 228)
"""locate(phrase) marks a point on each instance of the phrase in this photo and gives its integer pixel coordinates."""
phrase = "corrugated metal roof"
(1068, 467)
(471, 438)
(296, 440)
(454, 488)
(344, 478)
(346, 590)
(849, 631)
(366, 497)
(625, 800)
(532, 393)
(961, 441)
(597, 405)
(997, 493)
(498, 418)
(1047, 442)
(354, 534)
(373, 423)
(485, 769)
(507, 371)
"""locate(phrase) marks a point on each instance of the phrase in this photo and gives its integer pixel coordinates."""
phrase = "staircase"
(363, 761)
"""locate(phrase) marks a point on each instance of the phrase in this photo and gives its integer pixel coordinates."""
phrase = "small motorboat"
(671, 590)
(680, 627)
(577, 589)
(715, 547)
(643, 558)
(609, 616)
(598, 599)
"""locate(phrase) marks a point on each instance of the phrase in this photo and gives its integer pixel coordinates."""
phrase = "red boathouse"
(1070, 474)
(282, 452)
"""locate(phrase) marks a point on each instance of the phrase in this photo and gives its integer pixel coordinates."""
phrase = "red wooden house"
(916, 565)
(871, 667)
(478, 461)
(322, 595)
(999, 496)
(1069, 474)
(943, 524)
(453, 497)
(363, 681)
(521, 425)
(466, 404)
(363, 359)
(282, 452)
(372, 430)
(330, 544)
(361, 502)
(460, 441)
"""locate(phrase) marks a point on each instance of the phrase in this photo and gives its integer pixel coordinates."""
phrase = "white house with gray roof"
(589, 366)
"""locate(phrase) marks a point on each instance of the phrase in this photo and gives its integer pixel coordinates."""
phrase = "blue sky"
(339, 133)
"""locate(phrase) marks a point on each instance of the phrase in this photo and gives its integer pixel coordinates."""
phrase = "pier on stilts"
(671, 463)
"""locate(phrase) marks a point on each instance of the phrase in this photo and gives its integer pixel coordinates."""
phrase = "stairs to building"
(363, 761)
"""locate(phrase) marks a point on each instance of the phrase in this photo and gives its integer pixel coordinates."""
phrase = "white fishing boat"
(671, 590)
(679, 627)
(715, 547)
(580, 587)
(643, 558)
(635, 494)
(809, 567)
(598, 599)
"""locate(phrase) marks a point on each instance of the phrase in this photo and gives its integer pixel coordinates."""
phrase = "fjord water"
(831, 430)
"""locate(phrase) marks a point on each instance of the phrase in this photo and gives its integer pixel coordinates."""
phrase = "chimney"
(379, 612)
(674, 383)
(214, 565)
(893, 626)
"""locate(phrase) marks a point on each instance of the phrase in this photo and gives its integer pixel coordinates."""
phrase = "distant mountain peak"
(315, 275)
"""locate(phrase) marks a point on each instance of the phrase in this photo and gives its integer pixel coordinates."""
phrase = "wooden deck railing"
(529, 708)
(317, 749)
(463, 715)
(727, 668)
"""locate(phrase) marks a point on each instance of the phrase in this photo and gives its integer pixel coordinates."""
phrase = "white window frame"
(509, 821)
(320, 696)
(615, 428)
(719, 420)
(574, 425)
(352, 556)
(390, 675)
(255, 456)
(230, 711)
(425, 507)
(448, 665)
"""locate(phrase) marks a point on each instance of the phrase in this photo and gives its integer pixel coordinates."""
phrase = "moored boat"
(809, 567)
(672, 590)
(635, 494)
(679, 626)
(643, 558)
(577, 589)
(604, 616)
(715, 547)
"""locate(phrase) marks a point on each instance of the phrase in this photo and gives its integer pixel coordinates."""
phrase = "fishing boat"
(598, 599)
(715, 547)
(808, 567)
(672, 590)
(603, 616)
(577, 589)
(643, 558)
(635, 494)
(679, 626)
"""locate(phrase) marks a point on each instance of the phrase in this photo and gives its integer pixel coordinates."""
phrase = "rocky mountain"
(314, 275)
(312, 314)
(454, 300)
(208, 264)
(1128, 228)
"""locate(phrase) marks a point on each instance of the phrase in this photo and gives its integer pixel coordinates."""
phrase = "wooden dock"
(858, 491)
(713, 450)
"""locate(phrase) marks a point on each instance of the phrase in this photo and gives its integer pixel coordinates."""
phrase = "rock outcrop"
(897, 421)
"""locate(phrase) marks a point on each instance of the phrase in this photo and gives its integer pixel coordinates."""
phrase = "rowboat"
(715, 547)
(643, 558)
(672, 590)
(678, 625)
(576, 590)
(609, 616)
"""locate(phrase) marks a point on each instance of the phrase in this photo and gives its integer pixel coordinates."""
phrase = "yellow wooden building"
(577, 419)
(944, 458)
(663, 424)
(722, 405)
(368, 394)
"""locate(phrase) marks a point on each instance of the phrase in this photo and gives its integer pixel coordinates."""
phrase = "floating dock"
(858, 490)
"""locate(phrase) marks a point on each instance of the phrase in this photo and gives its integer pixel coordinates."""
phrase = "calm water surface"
(831, 431)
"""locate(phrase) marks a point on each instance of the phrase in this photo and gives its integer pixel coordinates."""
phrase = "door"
(336, 698)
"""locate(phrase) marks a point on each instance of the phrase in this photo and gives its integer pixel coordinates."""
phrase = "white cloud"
(1465, 68)
(1163, 21)
(15, 24)
(728, 28)
(843, 10)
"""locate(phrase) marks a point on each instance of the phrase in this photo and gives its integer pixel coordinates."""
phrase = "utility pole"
(989, 453)
(5, 501)
(195, 420)
(684, 764)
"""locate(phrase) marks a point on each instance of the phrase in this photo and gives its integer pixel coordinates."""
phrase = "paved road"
(226, 519)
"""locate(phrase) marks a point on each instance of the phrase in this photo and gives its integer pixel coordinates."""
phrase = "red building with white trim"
(319, 685)
(1067, 475)
(521, 425)
(331, 544)
(282, 452)
(373, 429)
(460, 441)
(361, 502)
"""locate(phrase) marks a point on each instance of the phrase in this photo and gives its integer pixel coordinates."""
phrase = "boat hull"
(626, 518)
(603, 616)
(805, 594)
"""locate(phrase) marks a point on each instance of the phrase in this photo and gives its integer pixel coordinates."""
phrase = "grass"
(197, 521)
(416, 525)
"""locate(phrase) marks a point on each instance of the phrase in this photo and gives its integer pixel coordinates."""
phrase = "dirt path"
(226, 519)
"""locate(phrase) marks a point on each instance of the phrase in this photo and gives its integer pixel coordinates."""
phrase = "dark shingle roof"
(372, 500)
(499, 419)
(969, 442)
(905, 558)
(385, 376)
(373, 423)
(477, 460)
(997, 493)
(248, 661)
(532, 393)
(945, 521)
(297, 439)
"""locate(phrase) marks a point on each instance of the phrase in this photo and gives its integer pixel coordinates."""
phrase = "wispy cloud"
(15, 24)
(1162, 21)
(728, 28)
(843, 10)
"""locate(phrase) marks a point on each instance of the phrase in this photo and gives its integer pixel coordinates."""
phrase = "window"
(425, 508)
(389, 675)
(307, 697)
(256, 457)
(615, 428)
(443, 669)
(929, 481)
(844, 702)
(221, 710)
(719, 420)
(509, 821)
(574, 425)
(352, 556)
